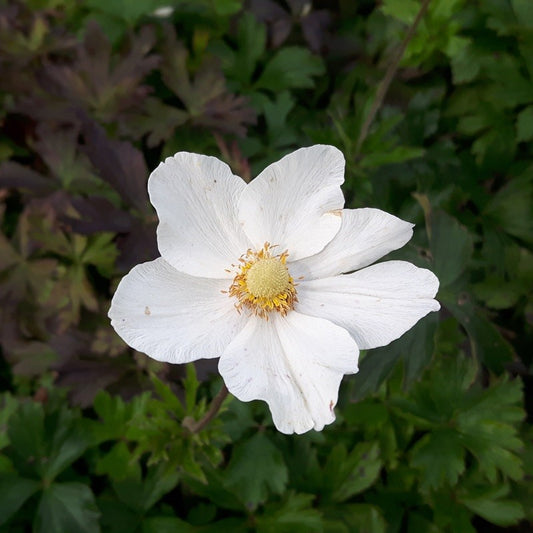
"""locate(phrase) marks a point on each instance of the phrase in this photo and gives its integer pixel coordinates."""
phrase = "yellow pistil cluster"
(263, 283)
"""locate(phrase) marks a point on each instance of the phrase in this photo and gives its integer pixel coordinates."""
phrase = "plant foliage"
(432, 434)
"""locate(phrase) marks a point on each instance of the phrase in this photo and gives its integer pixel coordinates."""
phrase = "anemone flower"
(273, 278)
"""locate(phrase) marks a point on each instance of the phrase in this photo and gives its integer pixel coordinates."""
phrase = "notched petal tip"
(295, 364)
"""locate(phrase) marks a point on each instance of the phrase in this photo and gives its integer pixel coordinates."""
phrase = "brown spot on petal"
(147, 311)
(336, 212)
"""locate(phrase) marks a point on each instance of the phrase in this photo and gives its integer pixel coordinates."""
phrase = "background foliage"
(432, 434)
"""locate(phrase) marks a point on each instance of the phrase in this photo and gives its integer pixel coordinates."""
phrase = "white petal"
(365, 236)
(296, 202)
(195, 197)
(295, 364)
(376, 305)
(174, 317)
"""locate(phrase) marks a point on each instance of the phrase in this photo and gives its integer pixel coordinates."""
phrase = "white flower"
(256, 274)
(163, 11)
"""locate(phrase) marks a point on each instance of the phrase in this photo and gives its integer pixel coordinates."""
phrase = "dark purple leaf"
(137, 246)
(95, 214)
(104, 84)
(119, 163)
(277, 20)
(86, 378)
(315, 29)
(17, 176)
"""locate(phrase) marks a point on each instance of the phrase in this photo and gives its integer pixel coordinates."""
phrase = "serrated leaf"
(347, 474)
(115, 415)
(258, 456)
(490, 505)
(14, 491)
(489, 430)
(142, 494)
(441, 457)
(465, 64)
(168, 396)
(294, 515)
(360, 517)
(118, 463)
(251, 41)
(291, 68)
(46, 444)
(67, 507)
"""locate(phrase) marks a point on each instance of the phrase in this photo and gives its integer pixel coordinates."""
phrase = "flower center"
(267, 278)
(263, 283)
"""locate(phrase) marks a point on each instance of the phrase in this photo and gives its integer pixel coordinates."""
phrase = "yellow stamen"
(263, 283)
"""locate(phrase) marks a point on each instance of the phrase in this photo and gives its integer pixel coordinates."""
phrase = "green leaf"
(374, 368)
(26, 435)
(486, 341)
(280, 131)
(397, 154)
(291, 67)
(191, 384)
(260, 456)
(118, 463)
(524, 124)
(294, 515)
(169, 397)
(510, 208)
(465, 64)
(524, 12)
(227, 7)
(8, 405)
(441, 457)
(414, 347)
(116, 415)
(450, 515)
(417, 346)
(451, 247)
(360, 517)
(240, 64)
(123, 10)
(488, 504)
(347, 474)
(67, 507)
(14, 491)
(435, 400)
(166, 524)
(142, 494)
(488, 425)
(45, 444)
(404, 10)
